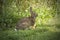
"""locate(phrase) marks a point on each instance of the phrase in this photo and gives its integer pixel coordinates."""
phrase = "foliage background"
(13, 10)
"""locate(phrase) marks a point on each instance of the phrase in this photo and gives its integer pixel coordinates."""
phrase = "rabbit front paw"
(34, 27)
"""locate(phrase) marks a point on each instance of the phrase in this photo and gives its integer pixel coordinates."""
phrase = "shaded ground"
(40, 33)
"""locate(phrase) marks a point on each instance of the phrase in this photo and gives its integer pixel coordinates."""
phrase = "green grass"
(40, 33)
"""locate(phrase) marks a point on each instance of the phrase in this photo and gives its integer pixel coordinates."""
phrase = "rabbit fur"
(27, 22)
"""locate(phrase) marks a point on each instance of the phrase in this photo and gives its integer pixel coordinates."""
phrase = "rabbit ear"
(31, 10)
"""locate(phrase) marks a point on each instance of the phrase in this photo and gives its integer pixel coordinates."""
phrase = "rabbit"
(27, 22)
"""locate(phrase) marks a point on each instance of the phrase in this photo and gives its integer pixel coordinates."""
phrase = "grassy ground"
(40, 33)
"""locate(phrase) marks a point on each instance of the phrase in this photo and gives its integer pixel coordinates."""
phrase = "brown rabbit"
(27, 22)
